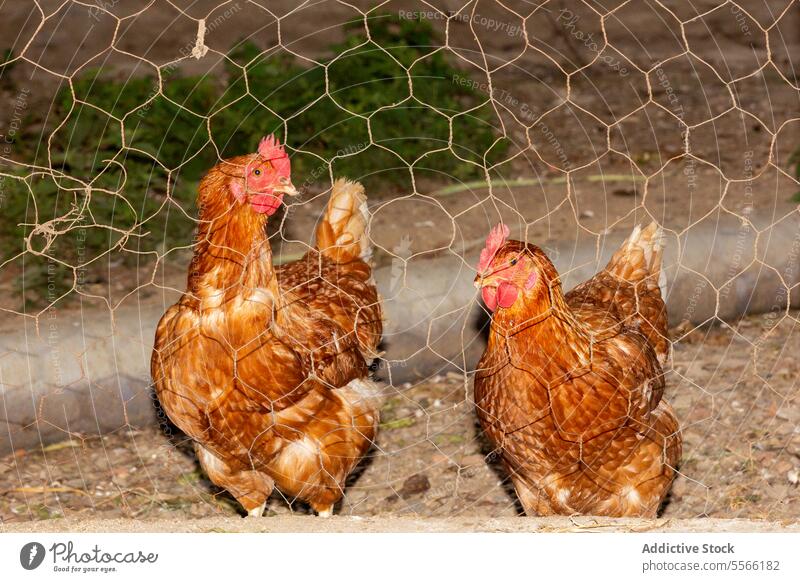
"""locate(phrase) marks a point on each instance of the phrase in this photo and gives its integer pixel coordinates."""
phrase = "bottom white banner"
(349, 557)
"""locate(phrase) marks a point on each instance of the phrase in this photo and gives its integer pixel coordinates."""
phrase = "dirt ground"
(734, 390)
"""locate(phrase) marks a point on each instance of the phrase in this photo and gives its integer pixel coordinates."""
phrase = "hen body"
(266, 369)
(570, 387)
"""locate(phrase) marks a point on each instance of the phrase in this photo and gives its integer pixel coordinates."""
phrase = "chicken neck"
(232, 253)
(541, 333)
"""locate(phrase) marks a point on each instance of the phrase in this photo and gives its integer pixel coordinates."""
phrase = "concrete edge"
(91, 375)
(338, 524)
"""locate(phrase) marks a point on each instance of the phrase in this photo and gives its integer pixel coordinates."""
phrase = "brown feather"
(266, 369)
(569, 389)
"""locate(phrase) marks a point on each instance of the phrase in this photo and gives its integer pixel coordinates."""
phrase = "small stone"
(415, 485)
(587, 214)
(793, 476)
(393, 498)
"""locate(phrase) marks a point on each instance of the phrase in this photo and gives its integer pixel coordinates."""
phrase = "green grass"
(794, 160)
(143, 195)
(398, 423)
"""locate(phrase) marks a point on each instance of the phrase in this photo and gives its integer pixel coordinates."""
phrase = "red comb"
(496, 239)
(271, 149)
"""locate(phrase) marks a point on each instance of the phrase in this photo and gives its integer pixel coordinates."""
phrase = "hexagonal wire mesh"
(571, 121)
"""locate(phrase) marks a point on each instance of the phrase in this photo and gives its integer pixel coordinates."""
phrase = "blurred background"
(570, 120)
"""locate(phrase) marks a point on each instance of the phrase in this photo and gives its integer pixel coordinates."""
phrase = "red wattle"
(489, 295)
(506, 294)
(266, 203)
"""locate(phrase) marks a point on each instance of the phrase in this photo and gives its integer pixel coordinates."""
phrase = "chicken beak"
(286, 187)
(478, 282)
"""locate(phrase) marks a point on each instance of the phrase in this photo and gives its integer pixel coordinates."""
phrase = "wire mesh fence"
(571, 121)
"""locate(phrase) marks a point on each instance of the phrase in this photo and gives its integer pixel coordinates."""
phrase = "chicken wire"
(615, 113)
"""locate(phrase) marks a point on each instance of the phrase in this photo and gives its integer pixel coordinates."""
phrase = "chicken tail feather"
(639, 258)
(343, 234)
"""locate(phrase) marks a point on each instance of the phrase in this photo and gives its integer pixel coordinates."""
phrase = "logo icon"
(31, 555)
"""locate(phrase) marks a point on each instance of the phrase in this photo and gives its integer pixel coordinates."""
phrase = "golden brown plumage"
(569, 389)
(266, 369)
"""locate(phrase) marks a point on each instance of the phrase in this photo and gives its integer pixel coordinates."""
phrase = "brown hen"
(266, 369)
(569, 389)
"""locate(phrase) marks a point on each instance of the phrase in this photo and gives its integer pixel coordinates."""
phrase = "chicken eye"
(513, 261)
(257, 172)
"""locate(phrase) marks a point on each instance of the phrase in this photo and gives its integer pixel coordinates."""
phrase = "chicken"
(569, 389)
(267, 369)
